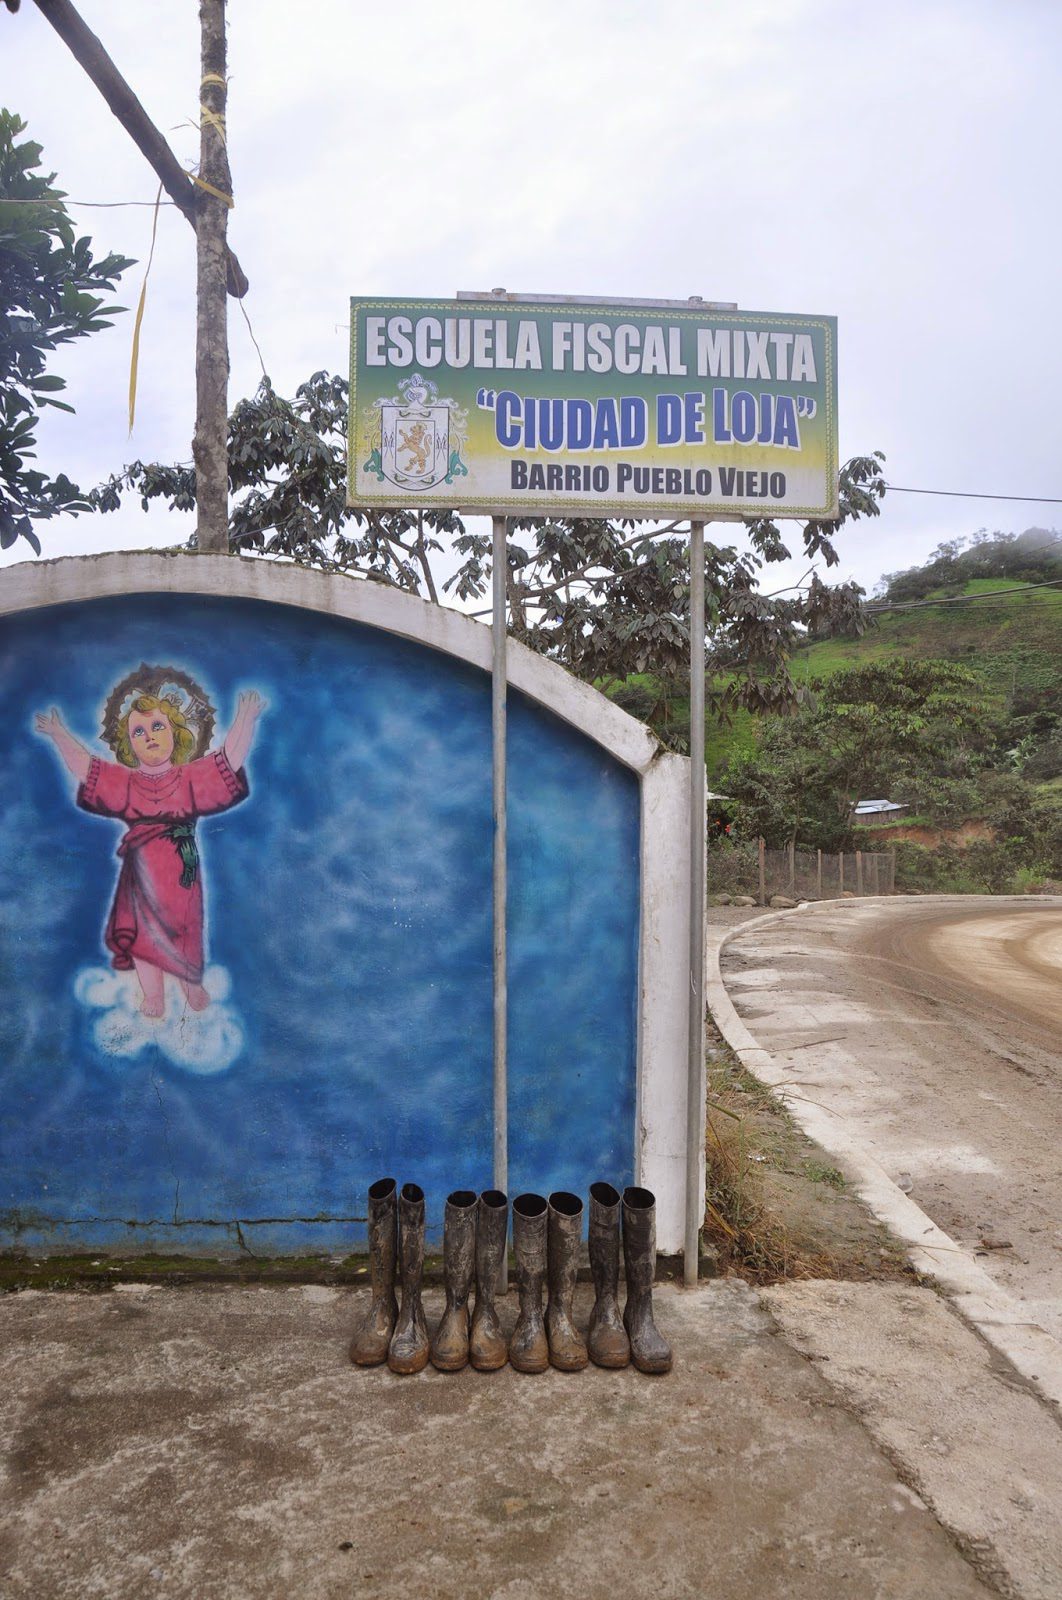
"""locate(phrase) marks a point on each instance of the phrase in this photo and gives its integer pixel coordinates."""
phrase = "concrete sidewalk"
(214, 1443)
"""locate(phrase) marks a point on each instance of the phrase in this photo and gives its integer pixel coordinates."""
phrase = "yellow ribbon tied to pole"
(135, 359)
(217, 122)
(209, 187)
(214, 120)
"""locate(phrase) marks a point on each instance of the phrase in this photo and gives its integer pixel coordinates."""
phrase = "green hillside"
(1015, 645)
(1051, 792)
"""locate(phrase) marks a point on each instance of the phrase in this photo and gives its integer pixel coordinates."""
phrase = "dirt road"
(936, 1028)
(1013, 958)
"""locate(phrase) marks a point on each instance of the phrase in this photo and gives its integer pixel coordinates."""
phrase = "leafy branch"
(608, 598)
(49, 296)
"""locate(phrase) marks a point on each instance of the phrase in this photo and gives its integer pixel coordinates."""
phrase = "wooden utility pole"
(210, 447)
(90, 55)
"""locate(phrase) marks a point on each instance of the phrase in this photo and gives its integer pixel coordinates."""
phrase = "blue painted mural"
(322, 1013)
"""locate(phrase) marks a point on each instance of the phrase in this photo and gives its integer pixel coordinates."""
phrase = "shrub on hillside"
(1010, 865)
(1046, 759)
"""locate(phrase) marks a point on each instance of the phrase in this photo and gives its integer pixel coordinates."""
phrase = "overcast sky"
(894, 165)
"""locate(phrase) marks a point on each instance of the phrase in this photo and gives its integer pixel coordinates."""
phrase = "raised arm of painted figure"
(75, 757)
(249, 708)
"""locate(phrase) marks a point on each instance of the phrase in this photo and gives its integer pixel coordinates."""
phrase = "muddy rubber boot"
(650, 1351)
(567, 1352)
(409, 1342)
(487, 1348)
(606, 1337)
(372, 1336)
(528, 1347)
(449, 1346)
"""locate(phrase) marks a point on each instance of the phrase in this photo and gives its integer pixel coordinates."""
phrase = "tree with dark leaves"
(607, 598)
(50, 294)
(915, 729)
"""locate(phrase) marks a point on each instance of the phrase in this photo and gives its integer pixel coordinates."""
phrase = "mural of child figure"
(165, 778)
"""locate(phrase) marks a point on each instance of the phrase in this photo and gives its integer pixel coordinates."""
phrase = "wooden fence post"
(818, 874)
(792, 866)
(763, 873)
(840, 873)
(859, 872)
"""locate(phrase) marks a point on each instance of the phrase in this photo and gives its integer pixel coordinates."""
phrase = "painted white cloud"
(202, 1042)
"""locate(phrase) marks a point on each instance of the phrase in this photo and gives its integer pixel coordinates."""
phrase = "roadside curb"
(996, 1315)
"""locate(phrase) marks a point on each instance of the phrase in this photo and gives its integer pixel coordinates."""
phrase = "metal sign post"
(695, 1063)
(499, 683)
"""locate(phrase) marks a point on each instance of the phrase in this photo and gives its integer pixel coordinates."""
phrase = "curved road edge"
(995, 1314)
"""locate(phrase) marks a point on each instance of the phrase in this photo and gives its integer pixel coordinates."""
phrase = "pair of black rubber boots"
(546, 1240)
(474, 1247)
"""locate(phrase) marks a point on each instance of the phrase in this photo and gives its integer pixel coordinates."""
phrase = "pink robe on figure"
(157, 914)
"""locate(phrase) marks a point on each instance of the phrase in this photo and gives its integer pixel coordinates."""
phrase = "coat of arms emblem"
(416, 437)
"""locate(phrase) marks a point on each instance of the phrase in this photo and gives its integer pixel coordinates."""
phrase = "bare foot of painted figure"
(152, 985)
(195, 994)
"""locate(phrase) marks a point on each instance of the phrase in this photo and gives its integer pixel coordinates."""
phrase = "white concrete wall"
(660, 1131)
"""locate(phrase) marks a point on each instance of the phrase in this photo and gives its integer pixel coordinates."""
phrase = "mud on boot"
(488, 1347)
(529, 1347)
(606, 1336)
(567, 1351)
(449, 1345)
(409, 1343)
(372, 1336)
(650, 1351)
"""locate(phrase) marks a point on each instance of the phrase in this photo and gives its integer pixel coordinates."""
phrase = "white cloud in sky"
(891, 164)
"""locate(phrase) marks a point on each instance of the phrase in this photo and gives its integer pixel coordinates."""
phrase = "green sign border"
(648, 509)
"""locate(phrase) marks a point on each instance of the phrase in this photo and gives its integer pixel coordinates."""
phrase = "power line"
(964, 494)
(96, 205)
(967, 599)
(1034, 603)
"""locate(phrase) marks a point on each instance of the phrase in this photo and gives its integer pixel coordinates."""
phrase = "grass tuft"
(777, 1208)
(750, 1241)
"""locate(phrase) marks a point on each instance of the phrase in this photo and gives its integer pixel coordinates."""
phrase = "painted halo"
(167, 683)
